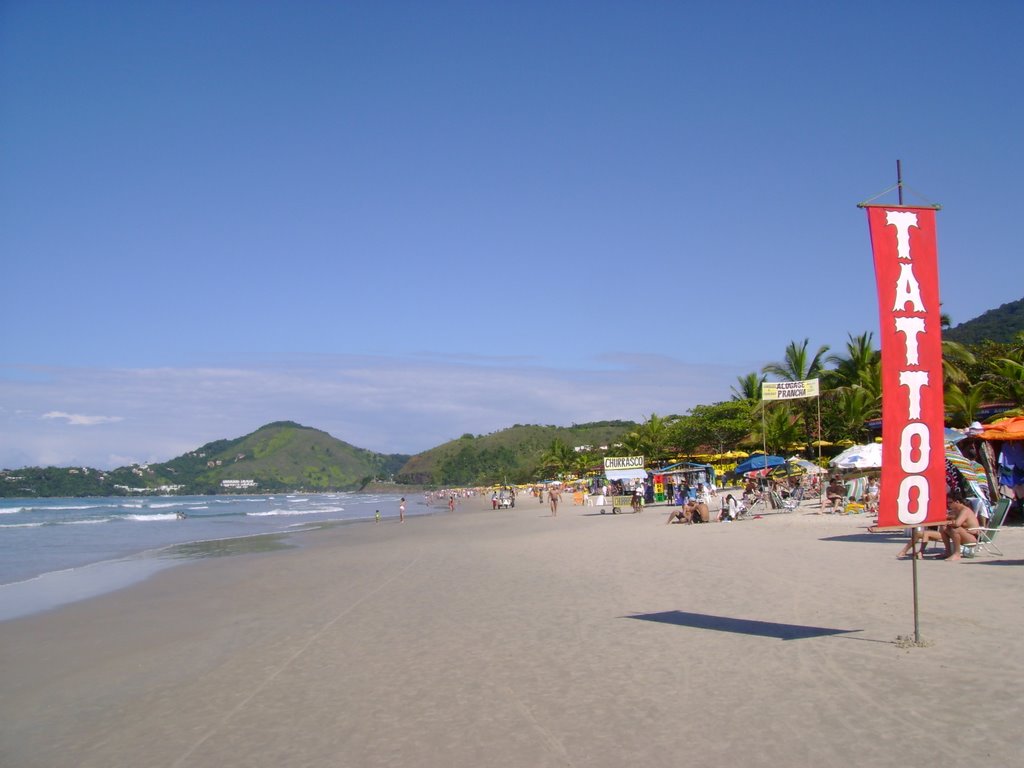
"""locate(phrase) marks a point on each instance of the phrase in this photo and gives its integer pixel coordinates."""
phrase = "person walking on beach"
(637, 501)
(554, 496)
(401, 510)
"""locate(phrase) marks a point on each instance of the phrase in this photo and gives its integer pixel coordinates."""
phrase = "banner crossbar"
(900, 186)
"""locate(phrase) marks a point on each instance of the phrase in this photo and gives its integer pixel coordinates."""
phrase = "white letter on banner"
(920, 431)
(903, 500)
(907, 290)
(913, 381)
(903, 221)
(910, 327)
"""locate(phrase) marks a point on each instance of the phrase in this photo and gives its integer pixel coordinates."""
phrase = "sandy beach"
(512, 638)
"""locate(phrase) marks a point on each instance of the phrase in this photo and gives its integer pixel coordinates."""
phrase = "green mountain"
(282, 456)
(1001, 324)
(513, 454)
(279, 456)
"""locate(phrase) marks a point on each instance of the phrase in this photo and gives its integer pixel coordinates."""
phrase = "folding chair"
(786, 505)
(987, 535)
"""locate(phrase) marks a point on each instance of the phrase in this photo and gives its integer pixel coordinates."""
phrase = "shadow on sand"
(996, 562)
(883, 537)
(740, 626)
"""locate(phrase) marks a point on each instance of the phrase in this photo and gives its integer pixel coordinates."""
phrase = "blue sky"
(402, 221)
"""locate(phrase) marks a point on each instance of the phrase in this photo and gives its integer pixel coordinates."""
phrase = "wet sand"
(512, 638)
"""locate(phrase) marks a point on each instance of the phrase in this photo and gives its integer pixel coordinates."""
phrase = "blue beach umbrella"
(758, 461)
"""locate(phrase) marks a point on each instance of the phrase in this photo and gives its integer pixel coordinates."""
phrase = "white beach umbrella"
(808, 467)
(859, 457)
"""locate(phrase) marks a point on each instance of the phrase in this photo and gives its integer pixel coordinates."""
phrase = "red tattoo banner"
(913, 484)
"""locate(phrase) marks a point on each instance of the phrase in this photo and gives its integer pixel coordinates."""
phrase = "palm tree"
(748, 387)
(796, 365)
(781, 428)
(558, 458)
(954, 355)
(860, 366)
(650, 439)
(963, 403)
(854, 406)
(1005, 380)
(582, 463)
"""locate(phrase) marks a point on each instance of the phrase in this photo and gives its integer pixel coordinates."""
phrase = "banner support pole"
(915, 536)
(821, 487)
(899, 181)
(764, 442)
(918, 531)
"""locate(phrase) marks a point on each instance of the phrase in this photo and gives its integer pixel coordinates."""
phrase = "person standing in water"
(401, 510)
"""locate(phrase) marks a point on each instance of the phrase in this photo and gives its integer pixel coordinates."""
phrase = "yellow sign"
(789, 390)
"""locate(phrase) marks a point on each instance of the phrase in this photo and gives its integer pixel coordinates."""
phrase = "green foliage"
(286, 456)
(717, 427)
(748, 387)
(999, 325)
(650, 439)
(56, 481)
(781, 428)
(280, 457)
(516, 454)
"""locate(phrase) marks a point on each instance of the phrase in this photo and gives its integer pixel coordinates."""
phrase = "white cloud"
(81, 420)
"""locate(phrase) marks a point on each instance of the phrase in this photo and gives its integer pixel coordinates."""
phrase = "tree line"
(974, 375)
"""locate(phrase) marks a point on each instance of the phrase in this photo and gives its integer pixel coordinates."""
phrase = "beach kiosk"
(675, 475)
(627, 470)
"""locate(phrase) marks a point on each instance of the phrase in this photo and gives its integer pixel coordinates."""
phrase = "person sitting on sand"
(684, 514)
(957, 533)
(836, 494)
(700, 513)
(872, 490)
(926, 535)
(691, 512)
(729, 509)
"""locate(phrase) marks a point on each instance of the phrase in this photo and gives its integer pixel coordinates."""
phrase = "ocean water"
(56, 551)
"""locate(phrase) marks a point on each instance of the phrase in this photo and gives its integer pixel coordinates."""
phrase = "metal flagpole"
(764, 435)
(913, 557)
(917, 531)
(764, 431)
(821, 487)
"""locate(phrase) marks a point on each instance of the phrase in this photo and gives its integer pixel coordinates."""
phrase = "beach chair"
(786, 505)
(987, 534)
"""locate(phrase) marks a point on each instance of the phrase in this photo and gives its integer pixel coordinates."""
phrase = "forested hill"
(1001, 324)
(513, 454)
(281, 456)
